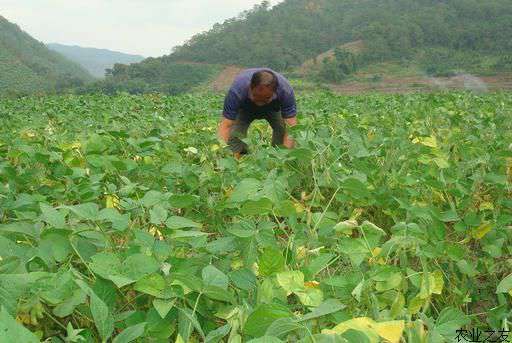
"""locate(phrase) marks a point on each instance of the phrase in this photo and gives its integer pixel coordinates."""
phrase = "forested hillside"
(95, 61)
(296, 30)
(437, 37)
(28, 66)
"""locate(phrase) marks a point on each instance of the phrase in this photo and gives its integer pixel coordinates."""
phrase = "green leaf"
(67, 307)
(176, 222)
(58, 245)
(355, 188)
(193, 320)
(398, 306)
(134, 268)
(52, 216)
(310, 296)
(108, 266)
(291, 281)
(183, 200)
(163, 306)
(467, 268)
(187, 234)
(102, 317)
(158, 215)
(243, 279)
(260, 207)
(285, 208)
(327, 307)
(152, 284)
(282, 327)
(265, 339)
(262, 317)
(505, 285)
(137, 266)
(245, 190)
(449, 321)
(130, 333)
(13, 286)
(87, 211)
(242, 233)
(449, 216)
(214, 277)
(217, 334)
(271, 262)
(217, 293)
(12, 331)
(119, 221)
(355, 249)
(25, 228)
(152, 198)
(318, 264)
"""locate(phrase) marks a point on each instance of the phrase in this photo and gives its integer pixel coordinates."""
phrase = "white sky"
(144, 27)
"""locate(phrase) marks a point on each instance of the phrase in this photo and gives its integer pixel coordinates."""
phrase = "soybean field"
(124, 219)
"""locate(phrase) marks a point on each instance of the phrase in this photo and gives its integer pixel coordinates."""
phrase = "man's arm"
(288, 141)
(225, 129)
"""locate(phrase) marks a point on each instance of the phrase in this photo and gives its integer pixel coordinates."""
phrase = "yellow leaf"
(481, 231)
(486, 205)
(427, 141)
(376, 251)
(191, 150)
(363, 324)
(311, 284)
(436, 282)
(391, 331)
(441, 162)
(111, 201)
(298, 207)
(415, 305)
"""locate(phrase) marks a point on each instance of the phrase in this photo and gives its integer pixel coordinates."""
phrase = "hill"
(28, 66)
(435, 33)
(433, 37)
(95, 61)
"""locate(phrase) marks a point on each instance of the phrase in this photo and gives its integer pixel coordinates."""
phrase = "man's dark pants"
(241, 126)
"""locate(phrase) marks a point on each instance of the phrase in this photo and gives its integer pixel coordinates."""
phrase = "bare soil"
(225, 78)
(411, 84)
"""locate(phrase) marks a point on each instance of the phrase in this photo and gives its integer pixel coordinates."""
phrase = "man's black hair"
(266, 78)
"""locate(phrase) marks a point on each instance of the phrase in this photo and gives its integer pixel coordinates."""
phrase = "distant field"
(124, 218)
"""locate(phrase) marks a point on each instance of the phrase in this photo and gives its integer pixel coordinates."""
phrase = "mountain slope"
(297, 30)
(95, 61)
(436, 37)
(28, 66)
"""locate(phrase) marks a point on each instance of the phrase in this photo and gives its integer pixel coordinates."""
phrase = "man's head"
(263, 86)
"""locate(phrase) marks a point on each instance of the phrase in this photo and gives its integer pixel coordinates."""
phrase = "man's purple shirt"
(239, 92)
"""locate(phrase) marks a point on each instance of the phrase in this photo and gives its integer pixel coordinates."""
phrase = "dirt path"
(225, 79)
(426, 84)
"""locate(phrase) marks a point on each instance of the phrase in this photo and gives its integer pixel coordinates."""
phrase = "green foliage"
(123, 219)
(441, 38)
(339, 67)
(153, 75)
(28, 66)
(294, 31)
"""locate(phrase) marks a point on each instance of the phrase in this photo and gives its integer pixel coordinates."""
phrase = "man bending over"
(258, 93)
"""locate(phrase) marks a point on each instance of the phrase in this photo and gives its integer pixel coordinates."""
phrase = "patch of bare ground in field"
(410, 84)
(225, 78)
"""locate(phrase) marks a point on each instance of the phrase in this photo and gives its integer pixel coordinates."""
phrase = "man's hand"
(288, 141)
(225, 129)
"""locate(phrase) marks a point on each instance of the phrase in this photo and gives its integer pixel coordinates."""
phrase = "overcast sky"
(145, 27)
